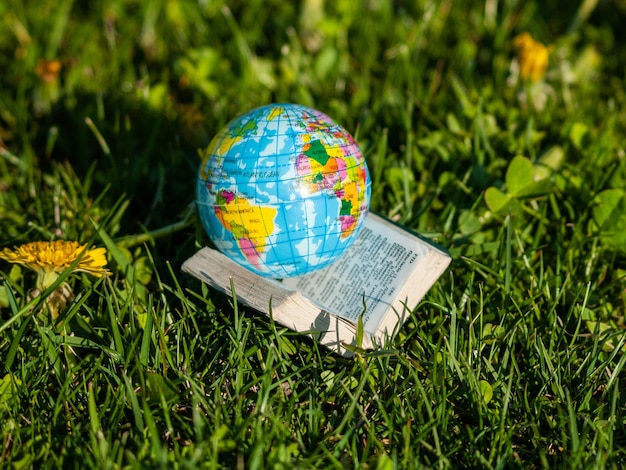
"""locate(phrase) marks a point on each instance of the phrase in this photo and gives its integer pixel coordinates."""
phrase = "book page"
(367, 277)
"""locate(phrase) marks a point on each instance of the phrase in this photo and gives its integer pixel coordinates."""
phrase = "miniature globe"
(283, 190)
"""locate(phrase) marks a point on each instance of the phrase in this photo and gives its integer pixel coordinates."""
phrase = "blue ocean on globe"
(283, 190)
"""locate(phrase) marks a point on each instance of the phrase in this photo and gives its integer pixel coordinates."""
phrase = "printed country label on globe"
(283, 190)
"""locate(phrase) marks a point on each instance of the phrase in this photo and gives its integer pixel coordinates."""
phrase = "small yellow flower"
(57, 256)
(532, 57)
(48, 70)
(50, 259)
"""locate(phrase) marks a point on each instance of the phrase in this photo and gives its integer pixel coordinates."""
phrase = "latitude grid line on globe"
(278, 166)
(278, 154)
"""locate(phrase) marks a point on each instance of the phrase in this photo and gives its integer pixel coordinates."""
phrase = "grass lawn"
(513, 359)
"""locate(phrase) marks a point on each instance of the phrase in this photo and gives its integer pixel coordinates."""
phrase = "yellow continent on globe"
(351, 196)
(321, 169)
(250, 225)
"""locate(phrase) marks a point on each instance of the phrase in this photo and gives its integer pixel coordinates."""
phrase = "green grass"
(514, 359)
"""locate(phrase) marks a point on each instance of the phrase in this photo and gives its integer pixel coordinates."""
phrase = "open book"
(381, 277)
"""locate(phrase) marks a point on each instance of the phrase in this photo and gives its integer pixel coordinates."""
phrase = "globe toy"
(283, 190)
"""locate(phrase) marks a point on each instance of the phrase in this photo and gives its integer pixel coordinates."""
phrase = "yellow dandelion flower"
(48, 70)
(49, 259)
(58, 256)
(532, 57)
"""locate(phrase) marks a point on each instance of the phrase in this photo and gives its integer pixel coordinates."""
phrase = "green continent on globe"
(333, 170)
(250, 225)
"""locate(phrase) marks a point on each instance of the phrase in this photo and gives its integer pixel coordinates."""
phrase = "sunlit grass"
(514, 358)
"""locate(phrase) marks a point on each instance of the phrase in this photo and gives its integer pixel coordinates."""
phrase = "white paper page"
(367, 275)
